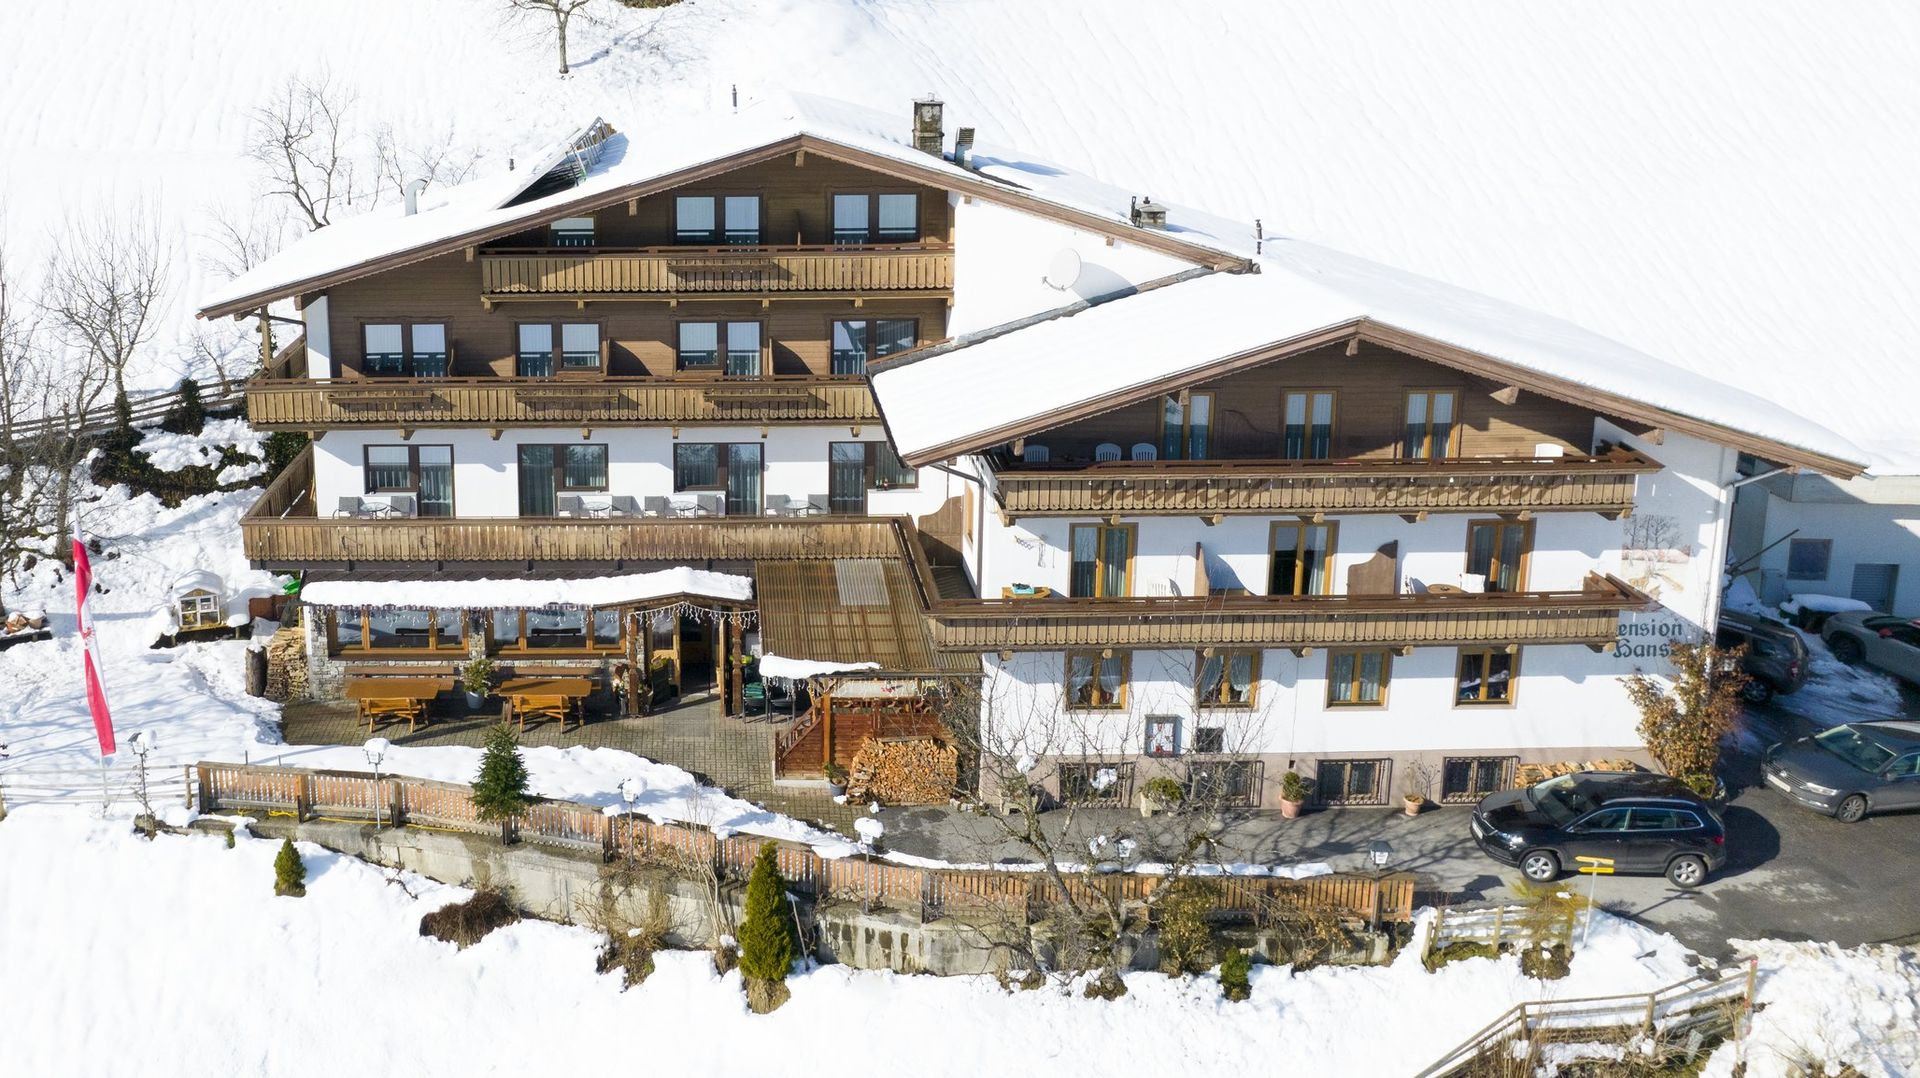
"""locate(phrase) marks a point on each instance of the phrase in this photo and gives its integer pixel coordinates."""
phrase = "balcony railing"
(677, 270)
(306, 404)
(1600, 484)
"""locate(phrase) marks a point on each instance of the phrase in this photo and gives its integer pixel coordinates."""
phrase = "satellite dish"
(1063, 270)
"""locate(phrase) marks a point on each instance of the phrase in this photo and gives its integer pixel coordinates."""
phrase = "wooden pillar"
(722, 668)
(646, 654)
(266, 341)
(738, 671)
(826, 728)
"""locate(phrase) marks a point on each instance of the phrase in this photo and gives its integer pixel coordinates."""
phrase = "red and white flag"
(96, 688)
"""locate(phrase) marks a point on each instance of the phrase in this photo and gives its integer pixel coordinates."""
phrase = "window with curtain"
(743, 478)
(743, 349)
(435, 469)
(899, 217)
(1094, 681)
(696, 466)
(429, 340)
(699, 346)
(850, 219)
(1358, 678)
(693, 219)
(534, 358)
(855, 342)
(1486, 676)
(385, 349)
(1431, 424)
(389, 469)
(847, 477)
(536, 481)
(1227, 678)
(584, 468)
(876, 218)
(1497, 550)
(573, 232)
(422, 470)
(1186, 429)
(1302, 556)
(851, 346)
(548, 470)
(742, 220)
(1102, 560)
(1308, 416)
(579, 345)
(889, 471)
(702, 344)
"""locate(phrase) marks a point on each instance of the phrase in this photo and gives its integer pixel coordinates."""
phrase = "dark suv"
(1776, 659)
(1648, 824)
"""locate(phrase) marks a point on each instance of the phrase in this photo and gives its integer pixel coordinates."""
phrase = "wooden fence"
(117, 784)
(146, 409)
(1499, 926)
(934, 892)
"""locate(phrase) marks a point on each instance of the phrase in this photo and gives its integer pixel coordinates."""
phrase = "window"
(423, 470)
(199, 611)
(1348, 782)
(1661, 819)
(1432, 424)
(1224, 782)
(1614, 819)
(1186, 426)
(1096, 783)
(1301, 556)
(1497, 550)
(1208, 739)
(709, 220)
(573, 232)
(1229, 678)
(1096, 681)
(1358, 678)
(733, 467)
(390, 629)
(703, 344)
(1807, 559)
(1469, 778)
(1102, 560)
(870, 218)
(556, 630)
(1163, 735)
(579, 348)
(853, 468)
(547, 471)
(855, 343)
(1905, 767)
(1486, 677)
(1308, 418)
(401, 349)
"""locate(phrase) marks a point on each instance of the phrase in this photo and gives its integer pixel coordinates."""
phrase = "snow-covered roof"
(527, 592)
(785, 669)
(486, 207)
(958, 397)
(196, 580)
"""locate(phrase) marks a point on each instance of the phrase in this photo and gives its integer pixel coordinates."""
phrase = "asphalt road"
(1791, 874)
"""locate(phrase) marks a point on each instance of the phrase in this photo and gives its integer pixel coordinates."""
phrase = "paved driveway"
(1791, 874)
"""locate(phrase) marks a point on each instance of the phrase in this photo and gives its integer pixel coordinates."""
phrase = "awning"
(849, 610)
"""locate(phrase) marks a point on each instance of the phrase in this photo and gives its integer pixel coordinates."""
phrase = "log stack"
(287, 664)
(903, 771)
(1528, 774)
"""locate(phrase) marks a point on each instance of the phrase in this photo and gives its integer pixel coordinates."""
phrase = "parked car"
(1776, 660)
(1883, 640)
(1850, 770)
(1648, 824)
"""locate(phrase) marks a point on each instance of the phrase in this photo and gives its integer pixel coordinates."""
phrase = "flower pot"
(1290, 809)
(1413, 805)
(476, 700)
(837, 789)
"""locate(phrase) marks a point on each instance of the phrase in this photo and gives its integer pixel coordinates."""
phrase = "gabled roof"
(636, 165)
(990, 387)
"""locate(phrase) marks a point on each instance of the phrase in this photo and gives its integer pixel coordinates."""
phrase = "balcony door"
(1301, 555)
(548, 471)
(1102, 560)
(1308, 417)
(1432, 424)
(1186, 427)
(1497, 550)
(847, 478)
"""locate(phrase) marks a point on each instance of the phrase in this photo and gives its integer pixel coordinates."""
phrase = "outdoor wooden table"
(394, 697)
(544, 697)
(1445, 589)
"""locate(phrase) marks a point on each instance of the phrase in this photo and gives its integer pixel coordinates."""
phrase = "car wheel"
(1688, 872)
(1540, 866)
(1852, 809)
(1847, 650)
(1756, 691)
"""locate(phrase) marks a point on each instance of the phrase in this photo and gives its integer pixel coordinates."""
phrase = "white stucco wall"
(1861, 532)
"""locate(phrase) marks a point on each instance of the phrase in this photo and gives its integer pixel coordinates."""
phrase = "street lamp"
(376, 750)
(1379, 852)
(630, 791)
(143, 743)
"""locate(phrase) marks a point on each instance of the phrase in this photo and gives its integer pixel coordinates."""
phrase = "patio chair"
(1145, 451)
(1036, 454)
(783, 505)
(1106, 451)
(656, 505)
(625, 505)
(569, 505)
(403, 504)
(712, 505)
(348, 507)
(817, 505)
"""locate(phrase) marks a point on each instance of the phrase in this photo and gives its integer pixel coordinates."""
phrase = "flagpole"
(91, 667)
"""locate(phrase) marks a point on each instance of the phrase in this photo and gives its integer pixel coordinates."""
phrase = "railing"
(400, 801)
(1603, 484)
(307, 404)
(505, 274)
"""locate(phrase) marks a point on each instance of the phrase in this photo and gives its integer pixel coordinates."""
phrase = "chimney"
(928, 133)
(963, 148)
(1147, 213)
(412, 192)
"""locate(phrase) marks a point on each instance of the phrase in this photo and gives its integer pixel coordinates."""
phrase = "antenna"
(736, 97)
(1063, 269)
(1259, 235)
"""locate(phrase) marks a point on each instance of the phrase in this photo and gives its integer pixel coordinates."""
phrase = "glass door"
(743, 479)
(436, 481)
(847, 478)
(536, 481)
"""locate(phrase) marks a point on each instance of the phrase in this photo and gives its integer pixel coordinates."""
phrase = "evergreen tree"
(188, 415)
(123, 415)
(1235, 974)
(766, 935)
(289, 872)
(500, 790)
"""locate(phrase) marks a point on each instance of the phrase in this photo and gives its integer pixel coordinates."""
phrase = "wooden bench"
(545, 698)
(394, 698)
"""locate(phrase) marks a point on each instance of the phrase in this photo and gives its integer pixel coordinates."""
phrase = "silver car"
(1851, 770)
(1882, 640)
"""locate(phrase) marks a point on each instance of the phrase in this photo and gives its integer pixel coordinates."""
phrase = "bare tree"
(301, 140)
(105, 285)
(236, 242)
(561, 12)
(442, 162)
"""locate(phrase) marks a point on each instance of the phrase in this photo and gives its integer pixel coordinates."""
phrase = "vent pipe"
(963, 148)
(1146, 213)
(412, 192)
(928, 130)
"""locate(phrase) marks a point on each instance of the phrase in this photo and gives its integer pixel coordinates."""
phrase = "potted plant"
(477, 679)
(836, 779)
(1413, 802)
(1293, 794)
(1160, 795)
(1415, 796)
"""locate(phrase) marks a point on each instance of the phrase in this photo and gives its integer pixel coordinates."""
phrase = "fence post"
(3, 802)
(206, 789)
(1652, 998)
(606, 837)
(1499, 923)
(396, 801)
(303, 798)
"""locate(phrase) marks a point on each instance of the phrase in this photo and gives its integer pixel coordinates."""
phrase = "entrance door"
(696, 655)
(1873, 584)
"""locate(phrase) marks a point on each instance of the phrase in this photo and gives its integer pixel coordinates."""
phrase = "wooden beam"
(633, 207)
(1414, 518)
(1353, 347)
(470, 254)
(1506, 396)
(1301, 652)
(1656, 435)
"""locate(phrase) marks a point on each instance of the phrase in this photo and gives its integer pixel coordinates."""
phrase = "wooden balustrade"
(677, 270)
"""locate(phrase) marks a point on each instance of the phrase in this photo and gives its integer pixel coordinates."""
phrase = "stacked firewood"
(287, 664)
(1528, 774)
(903, 771)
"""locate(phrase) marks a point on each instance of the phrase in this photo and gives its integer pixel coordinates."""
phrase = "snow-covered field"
(173, 957)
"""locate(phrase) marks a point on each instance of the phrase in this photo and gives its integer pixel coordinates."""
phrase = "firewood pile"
(903, 771)
(1528, 774)
(287, 664)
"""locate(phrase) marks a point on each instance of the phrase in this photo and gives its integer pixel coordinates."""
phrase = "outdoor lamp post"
(630, 791)
(143, 743)
(1379, 852)
(376, 750)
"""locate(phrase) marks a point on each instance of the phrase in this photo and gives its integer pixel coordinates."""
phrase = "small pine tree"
(122, 414)
(766, 933)
(289, 872)
(1236, 970)
(500, 790)
(188, 415)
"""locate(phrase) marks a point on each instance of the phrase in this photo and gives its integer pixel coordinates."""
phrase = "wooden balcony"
(307, 404)
(678, 271)
(1602, 484)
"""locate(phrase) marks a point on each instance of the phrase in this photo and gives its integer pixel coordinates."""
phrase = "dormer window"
(716, 220)
(864, 218)
(573, 232)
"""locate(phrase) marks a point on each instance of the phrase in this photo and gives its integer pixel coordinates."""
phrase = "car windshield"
(1562, 800)
(1846, 743)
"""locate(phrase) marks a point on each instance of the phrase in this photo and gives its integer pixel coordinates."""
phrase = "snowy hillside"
(1719, 186)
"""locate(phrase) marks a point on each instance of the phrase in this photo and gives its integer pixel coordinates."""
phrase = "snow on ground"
(173, 957)
(1835, 692)
(1821, 1006)
(171, 452)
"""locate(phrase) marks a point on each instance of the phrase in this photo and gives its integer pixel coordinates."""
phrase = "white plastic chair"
(1036, 454)
(1145, 451)
(1106, 451)
(1549, 449)
(1473, 583)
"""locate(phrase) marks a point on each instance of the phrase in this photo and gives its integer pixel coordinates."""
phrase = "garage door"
(1873, 584)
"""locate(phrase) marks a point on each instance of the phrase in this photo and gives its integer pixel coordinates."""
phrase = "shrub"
(282, 446)
(500, 790)
(188, 415)
(1293, 786)
(1459, 952)
(1163, 791)
(1186, 941)
(1684, 723)
(464, 924)
(1236, 969)
(289, 872)
(1106, 985)
(477, 678)
(766, 934)
(1546, 962)
(836, 775)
